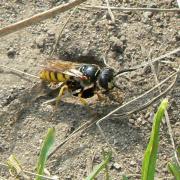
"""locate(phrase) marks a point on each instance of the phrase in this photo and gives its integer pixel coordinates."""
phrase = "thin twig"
(19, 71)
(105, 63)
(166, 178)
(151, 101)
(133, 175)
(139, 176)
(161, 57)
(61, 30)
(110, 12)
(77, 131)
(156, 59)
(29, 173)
(39, 17)
(131, 9)
(90, 161)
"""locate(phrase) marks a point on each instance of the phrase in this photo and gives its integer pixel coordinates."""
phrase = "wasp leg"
(82, 100)
(61, 93)
(96, 91)
(100, 97)
(54, 85)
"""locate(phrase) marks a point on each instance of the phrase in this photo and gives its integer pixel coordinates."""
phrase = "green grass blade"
(175, 170)
(100, 167)
(47, 144)
(106, 172)
(125, 177)
(178, 152)
(150, 156)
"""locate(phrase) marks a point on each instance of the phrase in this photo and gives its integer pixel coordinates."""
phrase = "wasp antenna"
(125, 70)
(19, 71)
(106, 64)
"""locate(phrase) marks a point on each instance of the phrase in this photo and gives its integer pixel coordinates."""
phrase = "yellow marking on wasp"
(42, 75)
(47, 75)
(61, 78)
(53, 78)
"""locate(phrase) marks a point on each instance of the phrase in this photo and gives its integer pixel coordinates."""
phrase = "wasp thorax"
(106, 78)
(90, 71)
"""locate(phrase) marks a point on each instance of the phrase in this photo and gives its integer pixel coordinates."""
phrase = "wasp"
(76, 76)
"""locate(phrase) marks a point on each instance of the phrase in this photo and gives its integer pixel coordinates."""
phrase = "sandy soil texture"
(134, 38)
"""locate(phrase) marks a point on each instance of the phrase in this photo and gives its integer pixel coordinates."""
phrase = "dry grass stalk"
(39, 17)
(110, 12)
(129, 9)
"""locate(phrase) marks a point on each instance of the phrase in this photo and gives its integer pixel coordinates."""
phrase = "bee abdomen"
(53, 76)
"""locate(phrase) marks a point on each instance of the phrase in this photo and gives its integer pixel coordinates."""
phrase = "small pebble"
(40, 141)
(152, 5)
(177, 133)
(131, 121)
(144, 122)
(117, 166)
(139, 120)
(132, 163)
(117, 44)
(40, 41)
(68, 177)
(51, 33)
(147, 14)
(123, 39)
(115, 142)
(55, 177)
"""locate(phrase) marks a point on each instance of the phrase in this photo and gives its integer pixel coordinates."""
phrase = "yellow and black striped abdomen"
(52, 76)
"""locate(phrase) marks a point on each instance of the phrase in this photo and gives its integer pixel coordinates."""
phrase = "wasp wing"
(65, 67)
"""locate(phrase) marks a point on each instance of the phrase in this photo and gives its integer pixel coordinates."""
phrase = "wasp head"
(90, 71)
(105, 79)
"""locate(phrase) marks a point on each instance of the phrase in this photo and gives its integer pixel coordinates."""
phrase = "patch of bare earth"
(24, 119)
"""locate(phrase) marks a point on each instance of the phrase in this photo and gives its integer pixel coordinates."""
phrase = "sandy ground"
(135, 37)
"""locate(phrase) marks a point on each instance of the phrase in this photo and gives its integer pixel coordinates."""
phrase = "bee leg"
(61, 93)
